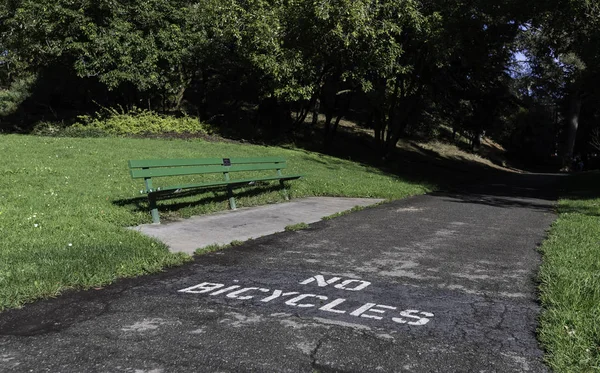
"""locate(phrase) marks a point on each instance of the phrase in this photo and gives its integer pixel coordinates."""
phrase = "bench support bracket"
(152, 201)
(230, 192)
(282, 183)
(153, 209)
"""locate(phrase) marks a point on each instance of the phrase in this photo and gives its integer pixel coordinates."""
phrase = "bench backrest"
(180, 167)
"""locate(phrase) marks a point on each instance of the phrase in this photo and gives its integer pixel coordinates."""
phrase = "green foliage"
(136, 122)
(112, 122)
(404, 66)
(570, 285)
(134, 42)
(212, 248)
(13, 96)
(216, 247)
(561, 44)
(296, 227)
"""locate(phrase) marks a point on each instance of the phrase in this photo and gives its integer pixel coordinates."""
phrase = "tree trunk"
(573, 126)
(328, 119)
(343, 113)
(409, 109)
(180, 96)
(394, 102)
(315, 109)
(329, 104)
(476, 141)
(301, 117)
(377, 102)
(315, 113)
(375, 122)
(393, 138)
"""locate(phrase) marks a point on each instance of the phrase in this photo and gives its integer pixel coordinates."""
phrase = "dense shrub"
(138, 122)
(110, 122)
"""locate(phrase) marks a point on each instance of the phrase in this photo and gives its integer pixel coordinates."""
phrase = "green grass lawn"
(65, 204)
(570, 280)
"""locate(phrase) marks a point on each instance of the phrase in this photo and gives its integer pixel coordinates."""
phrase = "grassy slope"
(570, 280)
(65, 203)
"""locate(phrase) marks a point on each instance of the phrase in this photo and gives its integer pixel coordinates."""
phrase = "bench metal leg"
(153, 209)
(231, 198)
(282, 183)
(285, 192)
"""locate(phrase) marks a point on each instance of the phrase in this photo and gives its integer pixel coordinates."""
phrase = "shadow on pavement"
(536, 191)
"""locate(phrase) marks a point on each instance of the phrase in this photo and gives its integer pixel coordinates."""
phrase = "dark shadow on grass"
(416, 165)
(140, 204)
(589, 211)
(582, 188)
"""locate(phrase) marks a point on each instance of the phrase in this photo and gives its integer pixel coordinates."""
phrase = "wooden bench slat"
(182, 171)
(252, 160)
(151, 163)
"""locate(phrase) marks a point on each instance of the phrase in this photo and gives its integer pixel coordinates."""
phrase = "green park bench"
(155, 168)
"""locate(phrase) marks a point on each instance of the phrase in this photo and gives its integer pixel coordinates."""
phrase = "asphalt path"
(437, 283)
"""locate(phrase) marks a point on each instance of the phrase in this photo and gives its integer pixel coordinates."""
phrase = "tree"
(563, 48)
(407, 66)
(136, 47)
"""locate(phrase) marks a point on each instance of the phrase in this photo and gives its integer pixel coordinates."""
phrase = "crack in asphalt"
(315, 351)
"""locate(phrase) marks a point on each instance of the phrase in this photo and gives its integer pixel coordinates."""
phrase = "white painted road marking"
(294, 301)
(409, 314)
(372, 311)
(236, 294)
(321, 282)
(331, 306)
(202, 288)
(277, 294)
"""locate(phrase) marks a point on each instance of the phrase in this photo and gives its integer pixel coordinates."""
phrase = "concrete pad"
(240, 225)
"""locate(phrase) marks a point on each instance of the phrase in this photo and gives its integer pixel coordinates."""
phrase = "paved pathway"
(437, 283)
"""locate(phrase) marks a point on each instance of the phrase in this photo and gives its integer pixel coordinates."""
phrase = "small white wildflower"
(70, 244)
(36, 225)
